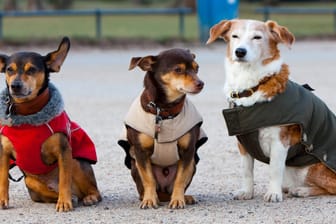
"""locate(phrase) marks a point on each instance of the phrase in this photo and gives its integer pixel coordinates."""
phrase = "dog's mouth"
(240, 60)
(20, 95)
(191, 91)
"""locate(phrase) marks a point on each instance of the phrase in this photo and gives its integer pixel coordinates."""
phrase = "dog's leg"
(278, 155)
(142, 149)
(247, 163)
(320, 180)
(150, 198)
(57, 148)
(185, 170)
(6, 148)
(39, 191)
(189, 200)
(85, 182)
(183, 178)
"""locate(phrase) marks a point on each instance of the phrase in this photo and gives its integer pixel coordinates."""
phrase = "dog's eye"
(31, 71)
(234, 36)
(10, 71)
(257, 37)
(178, 70)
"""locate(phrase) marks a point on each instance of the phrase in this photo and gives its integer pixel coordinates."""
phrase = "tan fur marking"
(280, 33)
(219, 30)
(53, 146)
(172, 82)
(27, 66)
(85, 182)
(146, 141)
(13, 66)
(150, 197)
(276, 84)
(184, 141)
(274, 52)
(34, 184)
(290, 135)
(320, 176)
(241, 148)
(176, 85)
(195, 65)
(183, 177)
(5, 153)
(182, 66)
(295, 132)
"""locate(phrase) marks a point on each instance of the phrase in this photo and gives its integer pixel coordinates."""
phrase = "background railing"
(98, 13)
(267, 11)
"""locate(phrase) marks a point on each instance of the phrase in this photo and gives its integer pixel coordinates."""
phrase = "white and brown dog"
(275, 120)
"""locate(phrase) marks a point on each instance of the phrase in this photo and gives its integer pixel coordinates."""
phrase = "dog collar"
(250, 91)
(168, 111)
(31, 107)
(161, 113)
(54, 107)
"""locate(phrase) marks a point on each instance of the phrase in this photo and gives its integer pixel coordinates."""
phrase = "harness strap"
(12, 178)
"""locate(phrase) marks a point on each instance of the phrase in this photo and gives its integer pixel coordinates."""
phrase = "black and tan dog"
(54, 153)
(163, 129)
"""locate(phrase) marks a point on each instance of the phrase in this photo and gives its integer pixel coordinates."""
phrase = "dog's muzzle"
(240, 52)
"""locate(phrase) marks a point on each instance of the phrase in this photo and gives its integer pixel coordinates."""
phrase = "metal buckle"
(251, 91)
(234, 94)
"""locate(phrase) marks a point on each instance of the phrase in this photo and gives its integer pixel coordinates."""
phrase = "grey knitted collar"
(54, 107)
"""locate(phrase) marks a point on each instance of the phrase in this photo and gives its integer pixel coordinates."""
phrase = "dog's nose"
(16, 86)
(240, 52)
(199, 84)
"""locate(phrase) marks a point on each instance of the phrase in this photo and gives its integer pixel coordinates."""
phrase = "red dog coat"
(28, 140)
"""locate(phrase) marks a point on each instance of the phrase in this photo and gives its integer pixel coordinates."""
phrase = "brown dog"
(36, 134)
(163, 129)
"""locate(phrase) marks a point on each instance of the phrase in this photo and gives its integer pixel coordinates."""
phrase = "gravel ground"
(98, 89)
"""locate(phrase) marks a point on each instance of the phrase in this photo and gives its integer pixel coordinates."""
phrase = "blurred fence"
(267, 11)
(98, 13)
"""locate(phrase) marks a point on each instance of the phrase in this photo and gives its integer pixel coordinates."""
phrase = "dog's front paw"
(189, 200)
(4, 203)
(63, 206)
(273, 197)
(243, 195)
(91, 199)
(149, 203)
(176, 203)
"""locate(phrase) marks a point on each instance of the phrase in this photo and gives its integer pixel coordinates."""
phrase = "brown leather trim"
(250, 91)
(169, 110)
(33, 106)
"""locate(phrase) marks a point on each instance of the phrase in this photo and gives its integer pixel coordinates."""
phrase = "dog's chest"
(269, 139)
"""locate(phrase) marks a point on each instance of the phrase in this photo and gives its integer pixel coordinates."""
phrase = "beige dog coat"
(165, 146)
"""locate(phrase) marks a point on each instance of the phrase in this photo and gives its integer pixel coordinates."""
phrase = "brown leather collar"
(250, 91)
(164, 111)
(30, 107)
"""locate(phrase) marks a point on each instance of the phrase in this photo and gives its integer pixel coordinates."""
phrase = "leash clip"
(158, 119)
(7, 120)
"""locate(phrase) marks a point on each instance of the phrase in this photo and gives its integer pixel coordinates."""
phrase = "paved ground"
(98, 88)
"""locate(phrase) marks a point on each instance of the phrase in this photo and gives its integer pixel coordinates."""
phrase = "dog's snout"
(199, 84)
(16, 86)
(240, 52)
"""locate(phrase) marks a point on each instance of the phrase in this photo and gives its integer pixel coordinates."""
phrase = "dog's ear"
(192, 54)
(219, 30)
(145, 63)
(55, 59)
(280, 33)
(3, 59)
